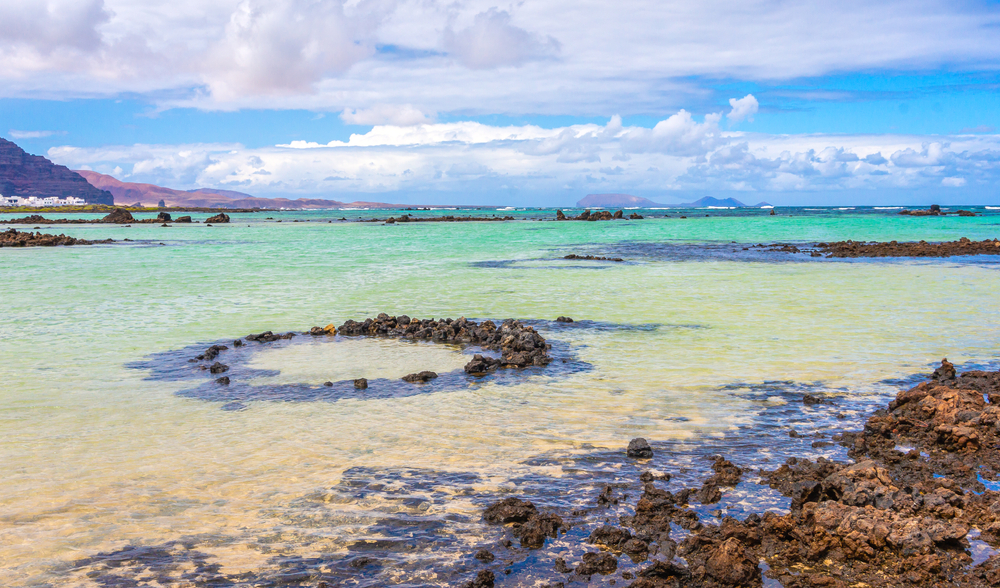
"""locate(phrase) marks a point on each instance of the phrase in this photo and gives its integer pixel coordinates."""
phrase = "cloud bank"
(455, 162)
(561, 57)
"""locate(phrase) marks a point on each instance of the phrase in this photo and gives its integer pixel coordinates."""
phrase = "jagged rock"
(638, 448)
(218, 368)
(481, 365)
(535, 530)
(484, 556)
(118, 216)
(183, 219)
(510, 510)
(218, 219)
(224, 380)
(419, 377)
(163, 217)
(484, 579)
(597, 563)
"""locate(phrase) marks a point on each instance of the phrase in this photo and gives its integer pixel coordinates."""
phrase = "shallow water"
(122, 466)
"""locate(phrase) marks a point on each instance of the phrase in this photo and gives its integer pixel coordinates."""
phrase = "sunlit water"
(112, 441)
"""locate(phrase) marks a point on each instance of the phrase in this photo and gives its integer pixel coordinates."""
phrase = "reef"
(437, 219)
(907, 512)
(15, 238)
(118, 216)
(855, 249)
(602, 215)
(591, 257)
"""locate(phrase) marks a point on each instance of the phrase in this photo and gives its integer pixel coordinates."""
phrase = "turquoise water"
(99, 454)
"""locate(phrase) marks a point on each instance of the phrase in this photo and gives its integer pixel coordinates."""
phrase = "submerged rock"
(361, 384)
(564, 319)
(218, 368)
(420, 377)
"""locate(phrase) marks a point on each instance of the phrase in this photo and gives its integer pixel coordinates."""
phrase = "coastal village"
(35, 201)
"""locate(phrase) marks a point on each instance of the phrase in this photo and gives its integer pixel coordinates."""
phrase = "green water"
(96, 456)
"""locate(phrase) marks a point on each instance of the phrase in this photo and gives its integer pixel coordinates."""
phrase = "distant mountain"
(25, 175)
(150, 195)
(615, 201)
(724, 202)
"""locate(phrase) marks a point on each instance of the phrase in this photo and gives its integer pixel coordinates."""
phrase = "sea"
(124, 463)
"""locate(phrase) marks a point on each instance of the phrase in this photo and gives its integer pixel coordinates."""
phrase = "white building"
(34, 201)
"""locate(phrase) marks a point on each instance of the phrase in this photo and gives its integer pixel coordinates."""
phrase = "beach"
(122, 464)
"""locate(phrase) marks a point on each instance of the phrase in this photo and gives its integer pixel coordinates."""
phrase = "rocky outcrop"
(27, 175)
(519, 345)
(119, 216)
(15, 238)
(218, 219)
(591, 257)
(855, 249)
(897, 516)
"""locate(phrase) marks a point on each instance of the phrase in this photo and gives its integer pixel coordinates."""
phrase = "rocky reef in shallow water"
(917, 508)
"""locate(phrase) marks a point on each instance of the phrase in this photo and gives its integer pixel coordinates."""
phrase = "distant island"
(629, 201)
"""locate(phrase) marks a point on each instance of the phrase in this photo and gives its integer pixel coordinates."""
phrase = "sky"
(531, 103)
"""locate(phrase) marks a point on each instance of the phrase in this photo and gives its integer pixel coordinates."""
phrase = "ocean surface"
(124, 464)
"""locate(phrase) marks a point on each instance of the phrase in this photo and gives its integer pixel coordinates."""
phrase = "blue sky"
(536, 103)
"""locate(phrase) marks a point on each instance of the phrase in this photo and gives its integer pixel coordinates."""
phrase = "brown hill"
(150, 195)
(25, 175)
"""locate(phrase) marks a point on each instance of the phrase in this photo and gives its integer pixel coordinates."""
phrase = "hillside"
(26, 175)
(150, 195)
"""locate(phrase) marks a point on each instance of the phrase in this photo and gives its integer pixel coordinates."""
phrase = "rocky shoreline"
(906, 512)
(15, 238)
(118, 216)
(856, 249)
(601, 215)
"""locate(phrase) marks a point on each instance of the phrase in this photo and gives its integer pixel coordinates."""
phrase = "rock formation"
(25, 175)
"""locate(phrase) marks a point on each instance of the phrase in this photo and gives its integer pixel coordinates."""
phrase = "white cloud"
(743, 109)
(385, 114)
(470, 56)
(286, 46)
(453, 160)
(34, 134)
(492, 41)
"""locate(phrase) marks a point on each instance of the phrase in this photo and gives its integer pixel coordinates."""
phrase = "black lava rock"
(639, 448)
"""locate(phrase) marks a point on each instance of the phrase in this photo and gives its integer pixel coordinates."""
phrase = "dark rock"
(420, 377)
(810, 399)
(163, 217)
(183, 219)
(481, 365)
(27, 175)
(945, 372)
(219, 218)
(537, 528)
(328, 384)
(484, 556)
(597, 563)
(560, 565)
(238, 343)
(224, 380)
(510, 510)
(118, 216)
(638, 448)
(560, 215)
(361, 384)
(218, 368)
(484, 579)
(564, 319)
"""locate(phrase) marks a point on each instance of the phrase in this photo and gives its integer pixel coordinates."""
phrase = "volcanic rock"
(27, 175)
(638, 448)
(420, 377)
(218, 219)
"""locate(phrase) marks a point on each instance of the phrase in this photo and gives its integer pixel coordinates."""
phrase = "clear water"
(691, 342)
